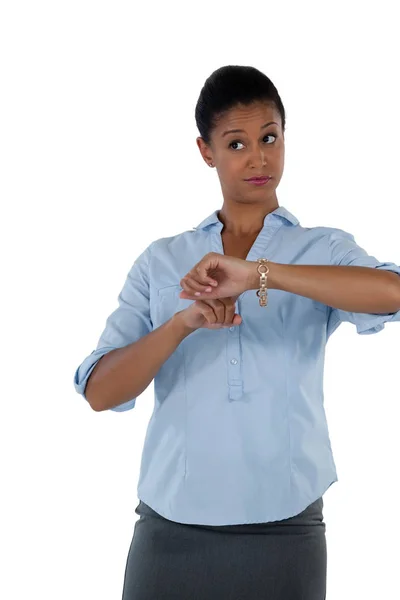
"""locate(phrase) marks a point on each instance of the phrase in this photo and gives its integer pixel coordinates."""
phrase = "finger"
(208, 312)
(202, 277)
(220, 308)
(191, 286)
(229, 313)
(207, 263)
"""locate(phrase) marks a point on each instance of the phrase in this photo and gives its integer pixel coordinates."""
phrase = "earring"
(210, 165)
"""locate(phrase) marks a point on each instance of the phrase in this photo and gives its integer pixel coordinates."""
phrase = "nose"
(262, 158)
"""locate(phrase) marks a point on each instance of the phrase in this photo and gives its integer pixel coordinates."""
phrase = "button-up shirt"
(238, 432)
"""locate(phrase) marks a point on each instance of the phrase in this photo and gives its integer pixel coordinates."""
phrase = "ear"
(204, 150)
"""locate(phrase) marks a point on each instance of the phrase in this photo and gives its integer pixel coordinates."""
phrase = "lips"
(258, 179)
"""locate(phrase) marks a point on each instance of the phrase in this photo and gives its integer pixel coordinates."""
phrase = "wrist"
(179, 326)
(254, 275)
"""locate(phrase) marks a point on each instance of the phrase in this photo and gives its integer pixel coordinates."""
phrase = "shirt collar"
(281, 211)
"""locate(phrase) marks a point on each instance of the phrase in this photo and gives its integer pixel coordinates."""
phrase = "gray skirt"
(281, 560)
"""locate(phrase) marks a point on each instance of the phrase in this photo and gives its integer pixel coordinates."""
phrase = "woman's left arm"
(353, 289)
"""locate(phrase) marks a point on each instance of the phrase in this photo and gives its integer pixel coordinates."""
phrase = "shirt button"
(231, 329)
(234, 361)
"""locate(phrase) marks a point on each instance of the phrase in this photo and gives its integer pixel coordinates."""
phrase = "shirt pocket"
(169, 303)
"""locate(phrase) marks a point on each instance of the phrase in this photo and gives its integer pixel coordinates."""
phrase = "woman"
(231, 320)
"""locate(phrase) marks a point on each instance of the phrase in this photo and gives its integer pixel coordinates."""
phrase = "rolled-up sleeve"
(127, 324)
(344, 251)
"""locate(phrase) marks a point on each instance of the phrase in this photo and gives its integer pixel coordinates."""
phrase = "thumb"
(237, 319)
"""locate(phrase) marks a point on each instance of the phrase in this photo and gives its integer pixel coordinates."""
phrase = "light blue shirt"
(238, 433)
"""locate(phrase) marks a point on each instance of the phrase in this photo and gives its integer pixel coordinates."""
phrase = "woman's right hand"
(211, 314)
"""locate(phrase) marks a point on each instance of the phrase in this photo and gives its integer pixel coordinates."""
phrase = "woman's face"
(255, 151)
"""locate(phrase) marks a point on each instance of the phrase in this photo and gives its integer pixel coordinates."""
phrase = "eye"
(265, 136)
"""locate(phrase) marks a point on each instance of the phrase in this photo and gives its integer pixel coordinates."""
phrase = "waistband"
(311, 515)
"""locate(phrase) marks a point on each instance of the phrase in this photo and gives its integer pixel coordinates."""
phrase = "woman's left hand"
(232, 276)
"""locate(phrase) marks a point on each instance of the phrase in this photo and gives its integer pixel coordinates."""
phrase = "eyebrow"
(242, 130)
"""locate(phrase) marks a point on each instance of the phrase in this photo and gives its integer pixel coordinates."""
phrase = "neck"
(239, 221)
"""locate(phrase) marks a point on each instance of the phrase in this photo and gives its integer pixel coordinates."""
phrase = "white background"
(98, 159)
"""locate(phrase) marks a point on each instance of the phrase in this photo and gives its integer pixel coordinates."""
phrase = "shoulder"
(172, 242)
(326, 235)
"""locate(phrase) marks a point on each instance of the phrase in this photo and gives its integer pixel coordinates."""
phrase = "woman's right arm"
(124, 373)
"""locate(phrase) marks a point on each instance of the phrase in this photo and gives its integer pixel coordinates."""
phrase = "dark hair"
(228, 87)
